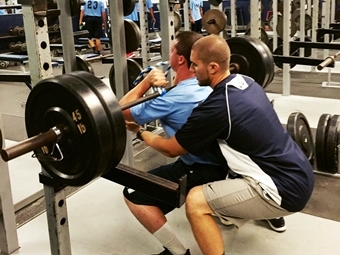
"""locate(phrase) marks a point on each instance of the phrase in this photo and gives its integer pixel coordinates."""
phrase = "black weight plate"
(271, 42)
(82, 65)
(134, 69)
(67, 101)
(331, 154)
(299, 130)
(114, 115)
(257, 55)
(321, 140)
(279, 51)
(280, 26)
(132, 36)
(128, 6)
(308, 51)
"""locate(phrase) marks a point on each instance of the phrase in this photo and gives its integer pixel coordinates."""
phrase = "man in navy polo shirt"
(273, 176)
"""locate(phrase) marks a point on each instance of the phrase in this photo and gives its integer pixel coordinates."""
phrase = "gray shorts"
(241, 199)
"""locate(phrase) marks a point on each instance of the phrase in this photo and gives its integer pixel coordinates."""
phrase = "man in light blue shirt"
(195, 15)
(94, 15)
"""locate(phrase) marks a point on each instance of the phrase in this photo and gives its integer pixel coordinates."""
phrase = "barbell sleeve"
(51, 136)
(328, 61)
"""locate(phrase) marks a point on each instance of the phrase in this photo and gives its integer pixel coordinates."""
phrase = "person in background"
(3, 11)
(94, 15)
(195, 15)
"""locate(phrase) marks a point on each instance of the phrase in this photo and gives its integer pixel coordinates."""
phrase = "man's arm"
(104, 20)
(167, 146)
(81, 17)
(155, 78)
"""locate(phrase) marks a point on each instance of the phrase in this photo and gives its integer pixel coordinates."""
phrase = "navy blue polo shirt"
(239, 120)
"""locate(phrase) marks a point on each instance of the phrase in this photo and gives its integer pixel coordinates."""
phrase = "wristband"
(139, 134)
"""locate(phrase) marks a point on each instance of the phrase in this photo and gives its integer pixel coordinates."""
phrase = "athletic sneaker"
(277, 224)
(167, 252)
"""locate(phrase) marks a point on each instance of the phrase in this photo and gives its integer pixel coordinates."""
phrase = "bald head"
(213, 48)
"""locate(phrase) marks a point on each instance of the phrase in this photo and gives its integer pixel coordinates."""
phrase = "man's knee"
(195, 203)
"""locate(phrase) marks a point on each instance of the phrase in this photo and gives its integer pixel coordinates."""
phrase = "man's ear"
(213, 67)
(181, 59)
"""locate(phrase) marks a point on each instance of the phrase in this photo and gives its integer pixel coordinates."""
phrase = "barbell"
(75, 124)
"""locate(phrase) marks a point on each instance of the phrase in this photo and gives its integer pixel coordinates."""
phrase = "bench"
(57, 48)
(19, 59)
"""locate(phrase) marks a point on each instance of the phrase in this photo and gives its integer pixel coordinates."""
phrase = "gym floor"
(100, 222)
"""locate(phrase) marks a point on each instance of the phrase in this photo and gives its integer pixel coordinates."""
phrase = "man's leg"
(204, 227)
(98, 45)
(153, 219)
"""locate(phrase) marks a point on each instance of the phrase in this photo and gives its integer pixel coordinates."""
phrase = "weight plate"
(67, 102)
(132, 36)
(320, 141)
(82, 65)
(271, 43)
(299, 130)
(128, 6)
(264, 35)
(280, 26)
(279, 51)
(296, 19)
(114, 115)
(331, 155)
(177, 21)
(257, 55)
(214, 21)
(134, 69)
(308, 51)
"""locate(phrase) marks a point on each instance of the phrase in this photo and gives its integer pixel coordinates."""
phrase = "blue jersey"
(172, 110)
(134, 14)
(93, 8)
(238, 119)
(195, 6)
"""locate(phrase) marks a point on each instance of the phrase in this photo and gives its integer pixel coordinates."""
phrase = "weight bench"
(103, 40)
(57, 47)
(21, 59)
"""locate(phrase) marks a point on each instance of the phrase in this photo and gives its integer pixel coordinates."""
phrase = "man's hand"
(132, 126)
(156, 78)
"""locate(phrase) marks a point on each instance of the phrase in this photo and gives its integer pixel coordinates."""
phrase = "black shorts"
(197, 174)
(93, 24)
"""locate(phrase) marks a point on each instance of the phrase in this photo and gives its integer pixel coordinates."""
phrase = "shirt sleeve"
(155, 109)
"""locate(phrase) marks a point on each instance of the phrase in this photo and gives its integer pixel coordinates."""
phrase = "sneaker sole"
(280, 229)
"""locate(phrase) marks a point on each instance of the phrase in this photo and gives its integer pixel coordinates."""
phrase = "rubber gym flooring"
(100, 222)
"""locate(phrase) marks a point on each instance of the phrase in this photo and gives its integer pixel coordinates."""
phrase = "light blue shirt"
(172, 110)
(195, 6)
(93, 8)
(134, 14)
